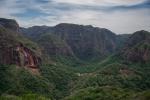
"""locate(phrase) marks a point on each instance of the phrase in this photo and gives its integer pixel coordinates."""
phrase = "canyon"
(72, 62)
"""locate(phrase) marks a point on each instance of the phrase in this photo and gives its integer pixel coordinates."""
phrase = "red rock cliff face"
(26, 57)
(19, 55)
(12, 49)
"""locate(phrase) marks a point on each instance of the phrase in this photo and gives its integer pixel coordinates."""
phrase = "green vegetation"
(61, 79)
(111, 79)
(69, 73)
(19, 81)
(24, 97)
(53, 82)
(108, 93)
(102, 93)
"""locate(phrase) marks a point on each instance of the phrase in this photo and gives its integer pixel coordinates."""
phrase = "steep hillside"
(138, 47)
(10, 24)
(52, 46)
(121, 40)
(85, 42)
(23, 73)
(72, 62)
(34, 31)
(14, 48)
(118, 77)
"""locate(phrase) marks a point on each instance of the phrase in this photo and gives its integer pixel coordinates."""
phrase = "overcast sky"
(120, 16)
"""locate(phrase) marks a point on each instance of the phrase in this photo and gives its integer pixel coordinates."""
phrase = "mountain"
(23, 73)
(84, 42)
(34, 30)
(14, 48)
(72, 62)
(121, 40)
(10, 24)
(122, 76)
(137, 48)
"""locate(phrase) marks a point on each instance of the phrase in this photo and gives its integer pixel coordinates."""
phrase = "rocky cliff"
(12, 48)
(137, 48)
(85, 42)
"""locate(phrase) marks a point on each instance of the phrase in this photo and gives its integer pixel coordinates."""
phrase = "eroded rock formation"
(26, 57)
(12, 46)
(19, 55)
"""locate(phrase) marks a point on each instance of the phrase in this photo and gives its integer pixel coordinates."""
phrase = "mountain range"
(72, 62)
(83, 42)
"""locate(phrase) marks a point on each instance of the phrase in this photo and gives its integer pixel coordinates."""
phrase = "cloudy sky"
(120, 16)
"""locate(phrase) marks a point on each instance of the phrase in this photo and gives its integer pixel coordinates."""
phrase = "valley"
(72, 62)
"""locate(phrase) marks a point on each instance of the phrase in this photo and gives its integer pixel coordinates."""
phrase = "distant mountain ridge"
(137, 48)
(86, 42)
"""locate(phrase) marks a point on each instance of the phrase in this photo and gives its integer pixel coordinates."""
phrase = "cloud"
(102, 2)
(121, 16)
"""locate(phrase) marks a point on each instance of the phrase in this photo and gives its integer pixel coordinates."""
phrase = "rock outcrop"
(137, 48)
(12, 47)
(26, 57)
